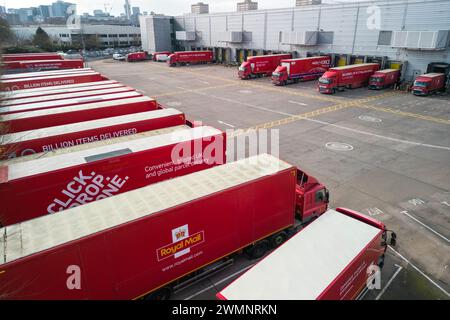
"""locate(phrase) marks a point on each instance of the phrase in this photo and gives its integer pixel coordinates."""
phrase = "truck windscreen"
(325, 80)
(421, 84)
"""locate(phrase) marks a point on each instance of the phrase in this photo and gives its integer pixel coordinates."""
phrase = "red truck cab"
(245, 70)
(428, 83)
(384, 78)
(328, 82)
(312, 197)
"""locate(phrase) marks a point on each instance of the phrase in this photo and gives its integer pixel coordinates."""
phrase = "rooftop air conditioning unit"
(420, 40)
(185, 35)
(301, 38)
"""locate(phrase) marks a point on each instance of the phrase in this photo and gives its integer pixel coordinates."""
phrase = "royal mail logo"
(182, 243)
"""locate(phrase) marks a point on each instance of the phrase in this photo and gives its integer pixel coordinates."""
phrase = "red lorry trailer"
(351, 76)
(49, 81)
(428, 83)
(331, 259)
(258, 66)
(384, 78)
(28, 93)
(161, 56)
(191, 57)
(31, 56)
(43, 64)
(44, 73)
(136, 56)
(157, 236)
(73, 99)
(31, 120)
(14, 99)
(46, 139)
(302, 69)
(38, 187)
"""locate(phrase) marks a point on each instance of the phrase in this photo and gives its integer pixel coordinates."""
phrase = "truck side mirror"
(393, 239)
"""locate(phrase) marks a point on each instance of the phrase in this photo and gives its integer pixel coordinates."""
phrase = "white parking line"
(219, 282)
(399, 268)
(227, 124)
(424, 225)
(420, 271)
(299, 103)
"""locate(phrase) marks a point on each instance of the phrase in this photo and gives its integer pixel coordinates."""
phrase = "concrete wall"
(156, 33)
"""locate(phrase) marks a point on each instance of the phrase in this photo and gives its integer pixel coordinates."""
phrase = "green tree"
(42, 40)
(6, 35)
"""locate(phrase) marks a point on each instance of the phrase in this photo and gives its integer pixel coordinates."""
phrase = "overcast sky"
(169, 7)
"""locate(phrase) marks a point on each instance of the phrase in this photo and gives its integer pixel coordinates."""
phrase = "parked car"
(119, 56)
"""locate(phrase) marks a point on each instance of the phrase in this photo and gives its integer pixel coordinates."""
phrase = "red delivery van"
(191, 57)
(302, 69)
(428, 83)
(258, 66)
(384, 78)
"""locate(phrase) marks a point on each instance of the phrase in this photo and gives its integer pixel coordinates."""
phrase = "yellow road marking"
(360, 103)
(406, 114)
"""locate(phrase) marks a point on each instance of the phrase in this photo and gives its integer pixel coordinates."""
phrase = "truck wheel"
(161, 294)
(258, 250)
(278, 239)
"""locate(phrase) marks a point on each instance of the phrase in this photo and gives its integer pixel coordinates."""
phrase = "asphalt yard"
(383, 153)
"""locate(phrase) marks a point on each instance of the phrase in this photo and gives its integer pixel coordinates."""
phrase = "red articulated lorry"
(46, 139)
(74, 99)
(428, 83)
(384, 78)
(103, 94)
(43, 186)
(28, 93)
(351, 76)
(43, 64)
(302, 69)
(160, 237)
(49, 81)
(136, 56)
(31, 56)
(258, 66)
(31, 120)
(161, 56)
(333, 258)
(189, 57)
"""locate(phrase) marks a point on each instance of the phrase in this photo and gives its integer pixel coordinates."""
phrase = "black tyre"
(161, 294)
(258, 250)
(278, 239)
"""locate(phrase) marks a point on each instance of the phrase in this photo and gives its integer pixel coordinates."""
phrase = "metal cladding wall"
(353, 26)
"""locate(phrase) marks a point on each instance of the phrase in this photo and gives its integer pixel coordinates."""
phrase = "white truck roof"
(350, 66)
(50, 90)
(304, 266)
(112, 95)
(43, 73)
(39, 166)
(23, 136)
(51, 77)
(64, 96)
(86, 106)
(32, 236)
